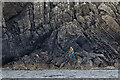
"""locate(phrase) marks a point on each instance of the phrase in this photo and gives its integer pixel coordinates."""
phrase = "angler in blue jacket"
(71, 53)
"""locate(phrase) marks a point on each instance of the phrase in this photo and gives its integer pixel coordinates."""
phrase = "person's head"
(71, 48)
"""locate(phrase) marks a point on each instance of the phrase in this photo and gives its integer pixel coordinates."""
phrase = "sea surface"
(108, 72)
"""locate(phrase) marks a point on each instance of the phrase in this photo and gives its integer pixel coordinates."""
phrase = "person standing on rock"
(71, 53)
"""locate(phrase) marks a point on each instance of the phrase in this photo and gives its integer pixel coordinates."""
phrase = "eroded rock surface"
(41, 33)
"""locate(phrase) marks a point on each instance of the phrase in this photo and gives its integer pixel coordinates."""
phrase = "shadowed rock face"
(42, 33)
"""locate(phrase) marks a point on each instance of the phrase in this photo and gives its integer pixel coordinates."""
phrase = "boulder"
(107, 9)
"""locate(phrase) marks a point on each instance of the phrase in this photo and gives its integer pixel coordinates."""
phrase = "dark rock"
(83, 43)
(98, 62)
(80, 19)
(58, 61)
(16, 8)
(113, 27)
(43, 33)
(27, 60)
(118, 8)
(106, 9)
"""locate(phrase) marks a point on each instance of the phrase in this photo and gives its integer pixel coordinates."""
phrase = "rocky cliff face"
(41, 33)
